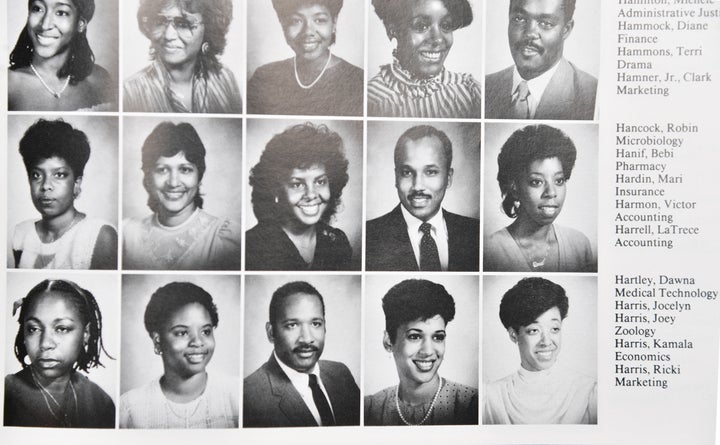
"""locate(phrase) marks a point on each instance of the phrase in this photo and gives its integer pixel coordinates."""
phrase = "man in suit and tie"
(294, 387)
(418, 234)
(542, 84)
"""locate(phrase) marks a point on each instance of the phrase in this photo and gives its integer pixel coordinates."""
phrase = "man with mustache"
(542, 84)
(418, 234)
(294, 387)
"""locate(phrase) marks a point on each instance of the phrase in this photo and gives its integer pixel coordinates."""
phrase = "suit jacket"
(270, 399)
(570, 95)
(388, 244)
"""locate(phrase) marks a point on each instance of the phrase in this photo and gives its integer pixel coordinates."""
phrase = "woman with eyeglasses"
(185, 76)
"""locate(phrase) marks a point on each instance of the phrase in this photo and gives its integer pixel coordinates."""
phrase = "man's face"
(422, 175)
(299, 331)
(537, 30)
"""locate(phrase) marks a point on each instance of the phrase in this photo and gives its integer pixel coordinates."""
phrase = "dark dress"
(26, 406)
(274, 90)
(269, 248)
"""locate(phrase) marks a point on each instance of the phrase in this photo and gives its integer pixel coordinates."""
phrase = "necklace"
(297, 78)
(55, 94)
(45, 393)
(540, 262)
(74, 221)
(427, 414)
(188, 413)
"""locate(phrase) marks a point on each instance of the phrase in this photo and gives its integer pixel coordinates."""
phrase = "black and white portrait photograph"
(62, 175)
(543, 59)
(63, 55)
(183, 56)
(182, 193)
(302, 351)
(539, 350)
(180, 351)
(424, 58)
(306, 57)
(423, 203)
(61, 349)
(414, 327)
(305, 192)
(541, 198)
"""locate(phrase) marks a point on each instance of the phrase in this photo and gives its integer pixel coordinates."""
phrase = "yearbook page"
(360, 221)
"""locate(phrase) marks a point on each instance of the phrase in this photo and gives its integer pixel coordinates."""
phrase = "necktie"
(429, 257)
(321, 403)
(521, 108)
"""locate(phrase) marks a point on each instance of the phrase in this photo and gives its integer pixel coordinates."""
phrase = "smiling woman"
(314, 81)
(181, 319)
(297, 186)
(540, 392)
(416, 83)
(179, 234)
(186, 39)
(417, 313)
(52, 54)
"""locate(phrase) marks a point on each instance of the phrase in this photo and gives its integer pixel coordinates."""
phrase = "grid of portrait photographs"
(280, 213)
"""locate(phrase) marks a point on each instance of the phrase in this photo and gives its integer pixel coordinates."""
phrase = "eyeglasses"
(184, 27)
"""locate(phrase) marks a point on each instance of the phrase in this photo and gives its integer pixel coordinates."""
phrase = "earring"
(157, 350)
(205, 47)
(277, 201)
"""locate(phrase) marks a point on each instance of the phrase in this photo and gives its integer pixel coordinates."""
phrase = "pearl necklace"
(427, 414)
(55, 94)
(297, 78)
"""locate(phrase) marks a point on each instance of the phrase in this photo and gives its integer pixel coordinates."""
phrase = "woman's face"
(539, 342)
(52, 24)
(53, 187)
(54, 335)
(309, 31)
(541, 191)
(307, 192)
(175, 183)
(425, 38)
(177, 35)
(418, 349)
(186, 340)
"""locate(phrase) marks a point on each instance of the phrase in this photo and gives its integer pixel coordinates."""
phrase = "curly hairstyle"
(168, 299)
(530, 298)
(216, 16)
(422, 131)
(167, 140)
(525, 146)
(89, 314)
(300, 146)
(393, 13)
(286, 290)
(414, 299)
(568, 7)
(81, 60)
(47, 139)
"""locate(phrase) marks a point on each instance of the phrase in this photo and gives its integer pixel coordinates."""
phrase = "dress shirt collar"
(301, 382)
(438, 232)
(536, 86)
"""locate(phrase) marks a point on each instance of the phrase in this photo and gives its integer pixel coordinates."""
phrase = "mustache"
(414, 195)
(305, 348)
(531, 43)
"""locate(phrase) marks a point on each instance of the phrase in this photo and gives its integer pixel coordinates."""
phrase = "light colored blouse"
(147, 407)
(394, 93)
(149, 91)
(551, 396)
(203, 242)
(73, 250)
